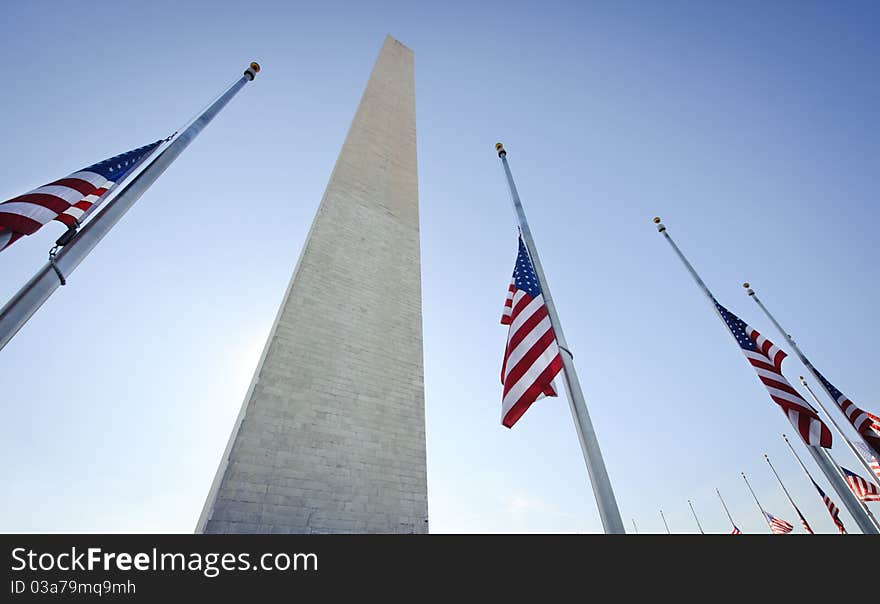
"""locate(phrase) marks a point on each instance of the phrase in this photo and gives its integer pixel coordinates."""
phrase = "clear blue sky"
(751, 127)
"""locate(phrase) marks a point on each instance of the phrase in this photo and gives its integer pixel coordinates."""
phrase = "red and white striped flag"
(863, 489)
(867, 424)
(766, 359)
(778, 526)
(873, 463)
(735, 531)
(531, 357)
(804, 522)
(67, 199)
(832, 508)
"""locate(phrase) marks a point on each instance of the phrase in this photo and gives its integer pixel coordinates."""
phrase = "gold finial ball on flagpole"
(252, 70)
(656, 220)
(500, 148)
(746, 285)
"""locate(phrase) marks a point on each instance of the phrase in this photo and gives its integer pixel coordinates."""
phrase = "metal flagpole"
(763, 513)
(726, 511)
(864, 505)
(694, 512)
(665, 523)
(35, 292)
(819, 454)
(797, 457)
(787, 494)
(852, 448)
(599, 480)
(815, 373)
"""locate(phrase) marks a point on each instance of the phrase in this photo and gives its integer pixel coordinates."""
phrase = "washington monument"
(331, 434)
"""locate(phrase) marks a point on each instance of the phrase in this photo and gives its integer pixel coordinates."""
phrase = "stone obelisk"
(331, 435)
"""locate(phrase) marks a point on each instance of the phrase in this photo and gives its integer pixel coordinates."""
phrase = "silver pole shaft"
(635, 528)
(35, 292)
(602, 490)
(705, 289)
(835, 477)
(758, 503)
(806, 362)
(864, 506)
(726, 511)
(787, 494)
(694, 512)
(665, 523)
(797, 457)
(837, 427)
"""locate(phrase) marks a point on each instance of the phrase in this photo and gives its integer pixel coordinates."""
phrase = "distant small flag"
(864, 490)
(868, 455)
(67, 199)
(804, 521)
(531, 357)
(867, 424)
(832, 508)
(735, 531)
(777, 525)
(767, 359)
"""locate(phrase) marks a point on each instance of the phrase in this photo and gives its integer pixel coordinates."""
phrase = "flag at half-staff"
(766, 359)
(790, 500)
(67, 199)
(735, 530)
(831, 507)
(531, 357)
(863, 489)
(829, 504)
(536, 351)
(873, 462)
(778, 526)
(866, 423)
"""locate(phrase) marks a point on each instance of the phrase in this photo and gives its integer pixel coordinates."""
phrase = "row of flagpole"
(599, 479)
(763, 512)
(829, 468)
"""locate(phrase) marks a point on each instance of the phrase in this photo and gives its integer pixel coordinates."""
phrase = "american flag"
(531, 357)
(735, 531)
(867, 424)
(804, 521)
(767, 359)
(66, 199)
(864, 490)
(832, 508)
(778, 526)
(869, 455)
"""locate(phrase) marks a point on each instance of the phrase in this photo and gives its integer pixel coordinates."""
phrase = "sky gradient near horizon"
(750, 127)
